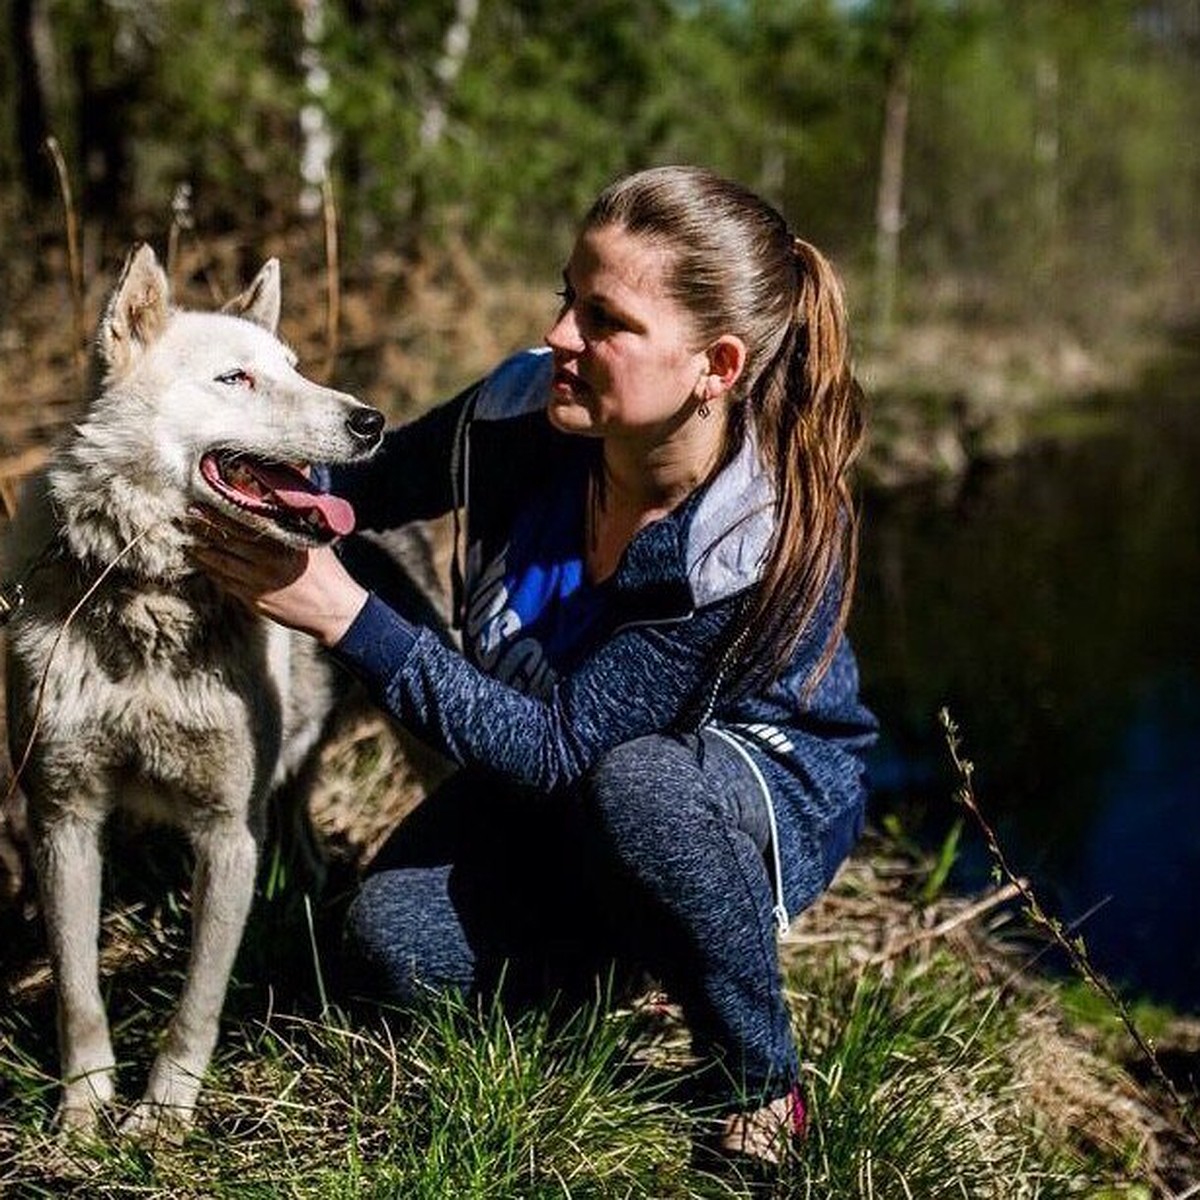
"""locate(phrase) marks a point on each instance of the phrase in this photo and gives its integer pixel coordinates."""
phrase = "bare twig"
(1075, 948)
(74, 261)
(41, 692)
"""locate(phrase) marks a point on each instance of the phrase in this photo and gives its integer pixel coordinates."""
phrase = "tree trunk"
(32, 125)
(109, 89)
(1046, 172)
(889, 202)
(316, 134)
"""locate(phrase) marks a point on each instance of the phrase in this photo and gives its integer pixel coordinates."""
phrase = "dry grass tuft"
(1082, 1098)
(371, 776)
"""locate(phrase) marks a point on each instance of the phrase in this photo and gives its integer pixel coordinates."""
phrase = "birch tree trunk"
(454, 53)
(1047, 173)
(316, 133)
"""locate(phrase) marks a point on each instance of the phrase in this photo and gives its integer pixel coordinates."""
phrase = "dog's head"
(209, 407)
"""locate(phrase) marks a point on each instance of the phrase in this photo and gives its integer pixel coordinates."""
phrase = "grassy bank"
(934, 1067)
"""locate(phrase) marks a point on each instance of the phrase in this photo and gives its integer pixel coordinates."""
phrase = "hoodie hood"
(723, 533)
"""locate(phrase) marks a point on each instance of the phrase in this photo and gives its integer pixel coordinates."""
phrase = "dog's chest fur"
(168, 701)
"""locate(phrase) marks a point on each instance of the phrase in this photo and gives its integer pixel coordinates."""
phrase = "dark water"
(1053, 605)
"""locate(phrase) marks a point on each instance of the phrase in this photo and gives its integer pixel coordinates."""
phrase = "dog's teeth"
(243, 478)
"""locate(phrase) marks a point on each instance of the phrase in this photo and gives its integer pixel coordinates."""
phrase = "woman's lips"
(567, 383)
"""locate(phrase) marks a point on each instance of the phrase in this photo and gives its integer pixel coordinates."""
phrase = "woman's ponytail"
(808, 417)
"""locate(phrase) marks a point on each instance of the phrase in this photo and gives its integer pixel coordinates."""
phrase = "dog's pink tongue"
(290, 489)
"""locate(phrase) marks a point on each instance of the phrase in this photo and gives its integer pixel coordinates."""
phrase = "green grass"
(1086, 1008)
(908, 1073)
(911, 1091)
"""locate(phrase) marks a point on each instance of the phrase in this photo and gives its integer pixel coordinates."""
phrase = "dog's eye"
(236, 377)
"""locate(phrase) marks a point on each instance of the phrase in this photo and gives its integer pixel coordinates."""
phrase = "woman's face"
(624, 364)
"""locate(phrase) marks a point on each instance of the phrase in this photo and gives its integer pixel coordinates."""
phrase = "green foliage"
(947, 855)
(1088, 1009)
(1041, 137)
(553, 104)
(775, 94)
(148, 95)
(1050, 160)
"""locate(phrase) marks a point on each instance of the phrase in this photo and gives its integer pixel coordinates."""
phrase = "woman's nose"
(564, 334)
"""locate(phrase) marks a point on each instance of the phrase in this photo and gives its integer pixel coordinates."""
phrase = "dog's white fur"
(162, 696)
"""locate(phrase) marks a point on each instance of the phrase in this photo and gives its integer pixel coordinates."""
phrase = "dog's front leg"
(222, 890)
(67, 860)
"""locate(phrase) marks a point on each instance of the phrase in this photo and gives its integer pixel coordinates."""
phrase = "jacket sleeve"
(412, 476)
(644, 679)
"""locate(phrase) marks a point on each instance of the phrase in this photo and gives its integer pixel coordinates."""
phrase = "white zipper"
(779, 912)
(648, 621)
(460, 455)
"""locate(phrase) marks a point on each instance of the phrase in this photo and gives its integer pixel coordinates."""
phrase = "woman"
(655, 709)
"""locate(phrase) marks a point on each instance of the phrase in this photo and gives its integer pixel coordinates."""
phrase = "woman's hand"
(308, 590)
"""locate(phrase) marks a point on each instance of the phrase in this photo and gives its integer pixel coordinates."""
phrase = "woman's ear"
(726, 360)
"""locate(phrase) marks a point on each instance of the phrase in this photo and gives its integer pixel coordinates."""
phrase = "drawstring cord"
(779, 912)
(460, 464)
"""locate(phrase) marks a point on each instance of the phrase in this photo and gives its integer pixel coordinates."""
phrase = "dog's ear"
(260, 302)
(137, 312)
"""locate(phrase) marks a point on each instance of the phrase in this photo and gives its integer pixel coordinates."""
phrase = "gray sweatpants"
(657, 860)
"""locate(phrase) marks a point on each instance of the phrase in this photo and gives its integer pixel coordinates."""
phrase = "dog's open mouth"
(278, 492)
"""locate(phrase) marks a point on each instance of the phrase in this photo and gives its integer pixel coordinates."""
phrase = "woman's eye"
(590, 313)
(601, 317)
(234, 377)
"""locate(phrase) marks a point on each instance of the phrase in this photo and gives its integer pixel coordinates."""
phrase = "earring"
(703, 411)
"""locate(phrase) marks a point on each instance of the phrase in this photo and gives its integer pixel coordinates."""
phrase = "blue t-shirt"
(531, 612)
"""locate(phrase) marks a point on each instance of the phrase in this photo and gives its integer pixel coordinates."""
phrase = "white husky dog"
(161, 696)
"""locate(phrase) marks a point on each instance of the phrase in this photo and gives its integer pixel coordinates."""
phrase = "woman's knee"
(403, 939)
(646, 800)
(685, 778)
(638, 777)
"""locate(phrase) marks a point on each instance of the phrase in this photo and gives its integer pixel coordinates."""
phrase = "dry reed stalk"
(1074, 948)
(74, 262)
(13, 469)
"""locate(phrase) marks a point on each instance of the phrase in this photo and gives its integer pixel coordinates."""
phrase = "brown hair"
(736, 268)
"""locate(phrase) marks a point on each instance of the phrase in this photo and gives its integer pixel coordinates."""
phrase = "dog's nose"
(365, 424)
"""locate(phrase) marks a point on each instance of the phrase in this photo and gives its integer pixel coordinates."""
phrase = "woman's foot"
(765, 1134)
(754, 1146)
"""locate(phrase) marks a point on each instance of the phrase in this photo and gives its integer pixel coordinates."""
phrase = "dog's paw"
(82, 1104)
(73, 1119)
(156, 1124)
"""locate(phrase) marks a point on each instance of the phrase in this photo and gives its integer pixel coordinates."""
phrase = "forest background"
(1009, 186)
